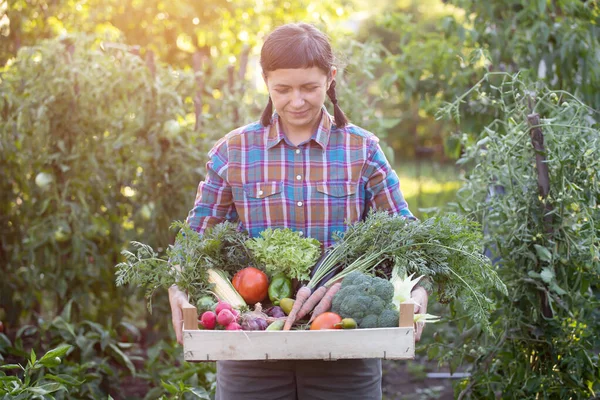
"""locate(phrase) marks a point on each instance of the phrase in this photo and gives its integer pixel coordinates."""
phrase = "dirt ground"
(407, 380)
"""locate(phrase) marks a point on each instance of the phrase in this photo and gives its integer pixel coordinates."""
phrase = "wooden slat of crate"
(386, 343)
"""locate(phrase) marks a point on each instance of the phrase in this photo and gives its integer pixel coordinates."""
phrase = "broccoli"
(366, 299)
(389, 318)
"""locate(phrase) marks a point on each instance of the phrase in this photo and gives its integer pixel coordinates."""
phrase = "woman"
(302, 169)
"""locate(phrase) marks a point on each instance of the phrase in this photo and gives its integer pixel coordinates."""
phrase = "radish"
(208, 320)
(234, 326)
(222, 305)
(236, 313)
(225, 317)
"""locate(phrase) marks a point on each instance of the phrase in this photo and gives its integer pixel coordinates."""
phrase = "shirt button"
(260, 192)
(297, 151)
(301, 233)
(299, 204)
(298, 177)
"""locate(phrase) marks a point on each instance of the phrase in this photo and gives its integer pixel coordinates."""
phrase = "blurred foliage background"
(109, 107)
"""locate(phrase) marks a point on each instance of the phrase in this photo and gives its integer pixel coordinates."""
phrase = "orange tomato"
(252, 284)
(327, 320)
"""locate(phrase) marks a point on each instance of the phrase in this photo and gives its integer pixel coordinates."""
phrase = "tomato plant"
(545, 245)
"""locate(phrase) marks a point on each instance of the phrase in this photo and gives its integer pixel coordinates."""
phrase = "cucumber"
(277, 325)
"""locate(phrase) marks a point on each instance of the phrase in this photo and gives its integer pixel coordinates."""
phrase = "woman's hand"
(420, 296)
(178, 300)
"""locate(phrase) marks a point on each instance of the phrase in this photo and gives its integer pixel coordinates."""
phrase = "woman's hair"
(294, 46)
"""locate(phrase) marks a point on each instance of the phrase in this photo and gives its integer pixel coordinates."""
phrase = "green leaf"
(51, 362)
(547, 274)
(32, 357)
(199, 392)
(46, 388)
(557, 289)
(542, 7)
(169, 387)
(533, 274)
(5, 342)
(49, 358)
(64, 327)
(122, 358)
(10, 366)
(64, 379)
(66, 312)
(543, 253)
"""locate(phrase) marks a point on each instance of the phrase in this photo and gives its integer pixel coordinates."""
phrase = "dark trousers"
(299, 380)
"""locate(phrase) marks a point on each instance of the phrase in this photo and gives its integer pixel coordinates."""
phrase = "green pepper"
(280, 288)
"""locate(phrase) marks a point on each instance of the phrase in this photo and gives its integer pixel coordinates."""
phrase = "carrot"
(325, 303)
(301, 297)
(311, 302)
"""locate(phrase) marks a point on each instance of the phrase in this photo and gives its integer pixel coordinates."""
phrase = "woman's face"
(298, 96)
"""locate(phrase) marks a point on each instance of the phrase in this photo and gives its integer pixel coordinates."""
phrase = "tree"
(558, 39)
(171, 30)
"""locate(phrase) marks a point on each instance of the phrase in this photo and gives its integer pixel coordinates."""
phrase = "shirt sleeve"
(214, 199)
(383, 186)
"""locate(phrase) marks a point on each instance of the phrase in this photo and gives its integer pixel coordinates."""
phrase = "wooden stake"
(537, 140)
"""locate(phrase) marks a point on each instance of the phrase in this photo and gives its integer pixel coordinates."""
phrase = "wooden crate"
(213, 345)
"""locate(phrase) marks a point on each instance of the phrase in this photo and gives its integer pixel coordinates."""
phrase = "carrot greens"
(447, 250)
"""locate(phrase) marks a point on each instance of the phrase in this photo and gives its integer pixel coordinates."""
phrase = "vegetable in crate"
(286, 305)
(276, 325)
(280, 288)
(252, 284)
(205, 303)
(255, 320)
(208, 320)
(446, 250)
(285, 251)
(327, 320)
(222, 287)
(348, 323)
(275, 312)
(367, 300)
(198, 259)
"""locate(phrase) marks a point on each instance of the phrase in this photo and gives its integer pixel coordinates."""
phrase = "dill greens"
(185, 263)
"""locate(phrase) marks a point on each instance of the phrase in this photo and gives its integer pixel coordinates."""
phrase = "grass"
(428, 185)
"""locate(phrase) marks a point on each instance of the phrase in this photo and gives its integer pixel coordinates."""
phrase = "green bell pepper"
(280, 288)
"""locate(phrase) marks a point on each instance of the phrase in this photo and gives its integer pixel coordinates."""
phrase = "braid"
(340, 118)
(265, 119)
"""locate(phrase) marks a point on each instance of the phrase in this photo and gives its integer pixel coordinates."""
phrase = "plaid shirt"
(257, 177)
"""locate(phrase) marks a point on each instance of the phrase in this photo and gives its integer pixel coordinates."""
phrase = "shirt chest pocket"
(336, 189)
(335, 202)
(263, 190)
(260, 203)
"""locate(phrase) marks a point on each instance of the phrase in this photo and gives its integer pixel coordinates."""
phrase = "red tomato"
(252, 284)
(327, 320)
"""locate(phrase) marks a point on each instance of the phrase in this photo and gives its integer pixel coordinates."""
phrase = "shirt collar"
(321, 135)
